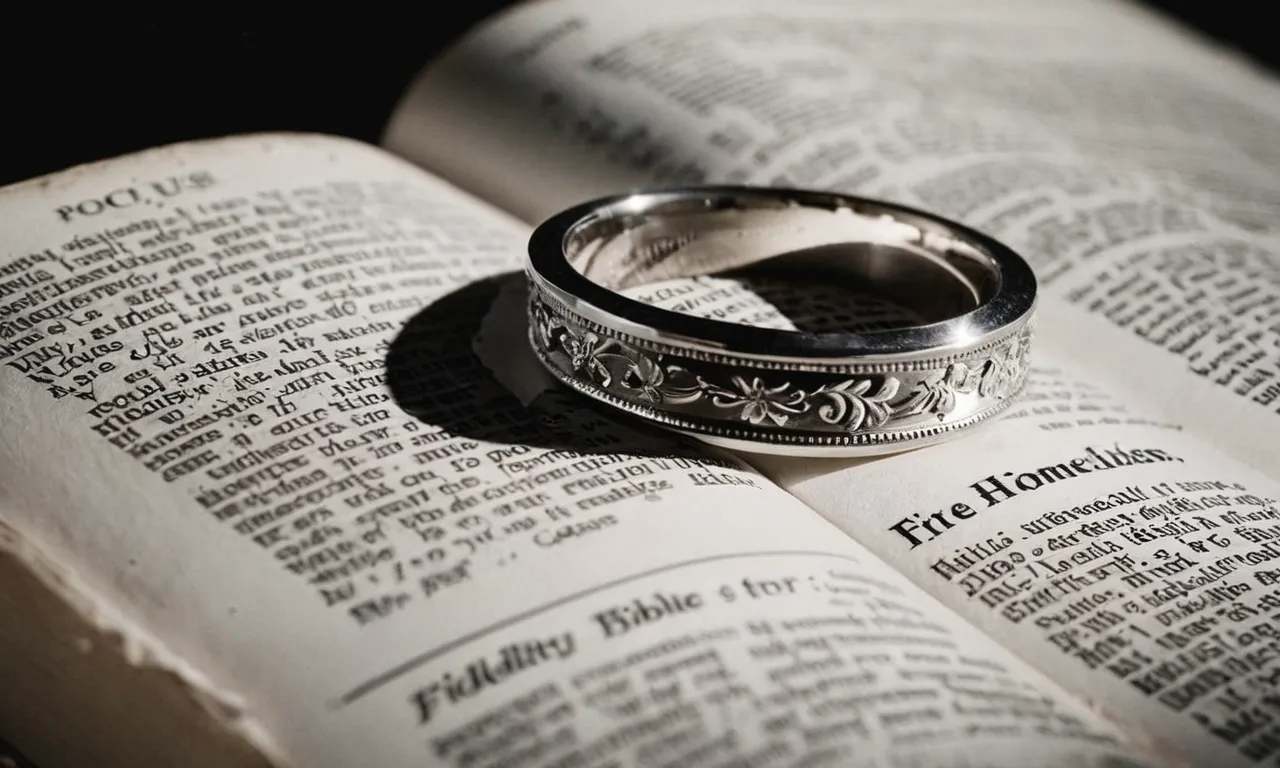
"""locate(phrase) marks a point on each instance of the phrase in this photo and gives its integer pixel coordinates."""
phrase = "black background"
(74, 92)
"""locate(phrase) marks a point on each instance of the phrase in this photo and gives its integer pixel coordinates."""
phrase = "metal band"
(771, 390)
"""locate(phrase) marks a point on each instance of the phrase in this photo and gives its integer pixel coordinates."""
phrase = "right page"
(1128, 560)
(1137, 169)
(1118, 529)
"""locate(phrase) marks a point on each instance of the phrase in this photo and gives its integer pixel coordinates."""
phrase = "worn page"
(1135, 168)
(245, 431)
(1132, 165)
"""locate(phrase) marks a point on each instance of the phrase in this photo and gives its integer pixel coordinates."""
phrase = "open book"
(279, 484)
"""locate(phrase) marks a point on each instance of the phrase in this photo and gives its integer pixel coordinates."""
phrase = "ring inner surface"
(913, 265)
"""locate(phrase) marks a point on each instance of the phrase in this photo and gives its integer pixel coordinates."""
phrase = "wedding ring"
(843, 392)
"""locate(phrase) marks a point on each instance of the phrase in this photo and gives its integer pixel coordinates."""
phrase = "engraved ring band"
(962, 358)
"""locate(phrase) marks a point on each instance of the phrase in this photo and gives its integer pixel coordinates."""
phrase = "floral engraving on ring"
(1001, 373)
(851, 405)
(756, 402)
(938, 396)
(588, 354)
(649, 380)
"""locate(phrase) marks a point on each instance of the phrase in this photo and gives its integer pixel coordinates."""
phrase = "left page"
(244, 429)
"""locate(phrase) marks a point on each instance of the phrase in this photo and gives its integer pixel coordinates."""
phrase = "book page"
(1135, 168)
(1132, 166)
(1127, 559)
(245, 431)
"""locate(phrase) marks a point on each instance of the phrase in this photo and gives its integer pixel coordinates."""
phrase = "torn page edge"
(138, 647)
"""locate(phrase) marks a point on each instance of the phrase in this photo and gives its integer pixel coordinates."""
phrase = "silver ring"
(769, 390)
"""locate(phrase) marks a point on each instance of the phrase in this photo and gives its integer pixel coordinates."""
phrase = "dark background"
(72, 92)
